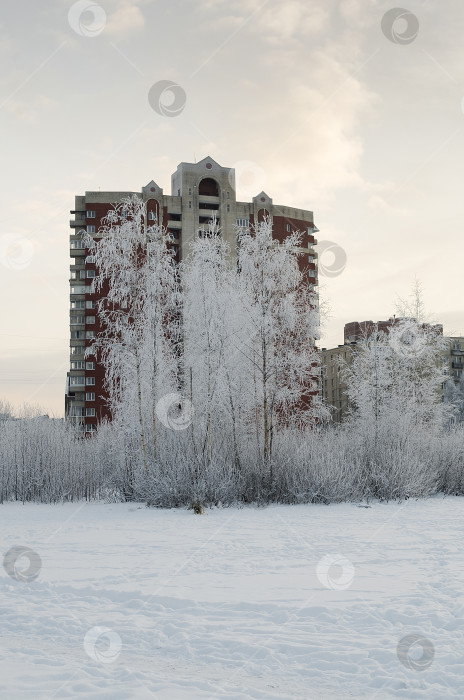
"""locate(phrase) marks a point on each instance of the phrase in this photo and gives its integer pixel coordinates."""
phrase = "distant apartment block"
(333, 384)
(455, 358)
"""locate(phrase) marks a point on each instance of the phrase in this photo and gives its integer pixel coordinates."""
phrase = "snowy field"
(131, 602)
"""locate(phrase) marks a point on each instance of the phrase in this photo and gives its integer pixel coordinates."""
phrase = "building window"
(228, 195)
(90, 274)
(77, 349)
(89, 305)
(90, 381)
(77, 320)
(190, 190)
(82, 274)
(228, 207)
(90, 259)
(78, 365)
(288, 228)
(90, 412)
(79, 381)
(77, 335)
(76, 411)
(90, 319)
(90, 396)
(89, 335)
(243, 223)
(89, 365)
(90, 228)
(78, 289)
(190, 204)
(77, 244)
(91, 214)
(90, 427)
(77, 304)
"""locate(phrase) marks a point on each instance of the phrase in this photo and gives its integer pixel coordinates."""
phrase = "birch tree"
(280, 311)
(139, 315)
(394, 386)
(213, 334)
(397, 377)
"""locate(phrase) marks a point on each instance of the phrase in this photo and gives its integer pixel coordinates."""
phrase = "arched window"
(208, 187)
(262, 214)
(152, 211)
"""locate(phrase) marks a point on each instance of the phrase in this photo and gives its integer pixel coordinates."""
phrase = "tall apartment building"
(199, 191)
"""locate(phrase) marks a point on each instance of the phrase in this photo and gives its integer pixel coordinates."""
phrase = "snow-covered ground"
(237, 603)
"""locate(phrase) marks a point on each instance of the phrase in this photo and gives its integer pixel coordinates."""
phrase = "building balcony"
(209, 199)
(77, 223)
(457, 352)
(457, 365)
(209, 215)
(174, 224)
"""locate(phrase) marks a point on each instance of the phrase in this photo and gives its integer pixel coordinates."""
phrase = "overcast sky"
(333, 106)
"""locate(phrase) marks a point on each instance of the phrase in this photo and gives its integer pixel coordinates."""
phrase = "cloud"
(30, 112)
(313, 101)
(281, 23)
(315, 117)
(275, 23)
(125, 20)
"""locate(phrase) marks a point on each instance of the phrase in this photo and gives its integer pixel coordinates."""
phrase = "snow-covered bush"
(47, 460)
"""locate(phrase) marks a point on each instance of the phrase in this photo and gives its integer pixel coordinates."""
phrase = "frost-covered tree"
(394, 385)
(6, 410)
(414, 305)
(396, 377)
(213, 333)
(139, 315)
(280, 314)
